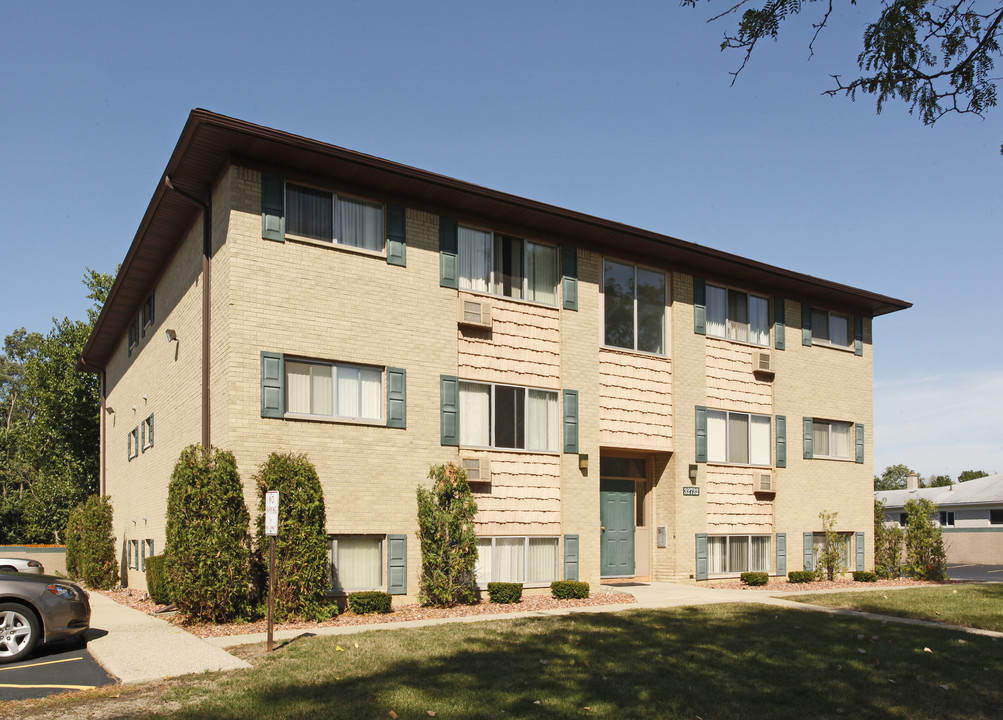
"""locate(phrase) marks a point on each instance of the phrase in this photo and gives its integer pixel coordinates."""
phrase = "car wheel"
(8, 569)
(19, 632)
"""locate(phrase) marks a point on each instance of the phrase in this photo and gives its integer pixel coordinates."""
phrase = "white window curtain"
(717, 311)
(359, 224)
(348, 392)
(321, 390)
(542, 563)
(482, 570)
(510, 559)
(738, 438)
(760, 554)
(840, 440)
(297, 387)
(475, 259)
(541, 273)
(358, 563)
(308, 212)
(716, 555)
(738, 554)
(820, 439)
(759, 320)
(759, 436)
(839, 330)
(475, 415)
(717, 435)
(541, 420)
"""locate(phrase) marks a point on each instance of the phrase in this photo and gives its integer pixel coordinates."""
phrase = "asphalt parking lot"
(976, 573)
(59, 667)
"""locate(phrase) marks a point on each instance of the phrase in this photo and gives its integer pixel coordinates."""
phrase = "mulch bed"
(847, 584)
(141, 601)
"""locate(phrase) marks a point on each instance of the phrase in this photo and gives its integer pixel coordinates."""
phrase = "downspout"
(206, 206)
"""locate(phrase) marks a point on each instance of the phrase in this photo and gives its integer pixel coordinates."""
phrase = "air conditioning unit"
(476, 313)
(478, 469)
(766, 482)
(762, 362)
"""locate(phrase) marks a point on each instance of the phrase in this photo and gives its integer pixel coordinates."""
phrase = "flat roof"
(210, 142)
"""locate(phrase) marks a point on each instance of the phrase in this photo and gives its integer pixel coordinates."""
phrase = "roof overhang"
(211, 142)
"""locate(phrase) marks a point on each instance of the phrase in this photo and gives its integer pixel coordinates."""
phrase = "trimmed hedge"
(864, 576)
(156, 580)
(90, 544)
(569, 589)
(754, 578)
(369, 602)
(505, 593)
(801, 576)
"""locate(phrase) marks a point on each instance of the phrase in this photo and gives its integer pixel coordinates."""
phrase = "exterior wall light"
(172, 336)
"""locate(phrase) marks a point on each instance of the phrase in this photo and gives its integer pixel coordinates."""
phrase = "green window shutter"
(150, 438)
(273, 377)
(130, 554)
(130, 446)
(397, 564)
(142, 437)
(142, 556)
(806, 324)
(396, 398)
(570, 421)
(701, 434)
(396, 236)
(569, 279)
(449, 410)
(807, 434)
(570, 557)
(779, 322)
(859, 432)
(809, 551)
(860, 552)
(273, 208)
(699, 306)
(858, 335)
(781, 554)
(781, 441)
(449, 247)
(701, 571)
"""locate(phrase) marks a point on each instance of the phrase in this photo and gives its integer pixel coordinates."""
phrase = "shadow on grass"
(726, 661)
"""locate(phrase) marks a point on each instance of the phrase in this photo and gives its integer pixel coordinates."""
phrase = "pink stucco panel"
(635, 400)
(524, 497)
(732, 505)
(731, 384)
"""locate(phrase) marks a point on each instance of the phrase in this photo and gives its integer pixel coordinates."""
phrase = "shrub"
(801, 576)
(830, 557)
(924, 541)
(446, 534)
(90, 544)
(156, 580)
(505, 593)
(887, 544)
(569, 589)
(372, 601)
(864, 576)
(301, 564)
(207, 536)
(754, 578)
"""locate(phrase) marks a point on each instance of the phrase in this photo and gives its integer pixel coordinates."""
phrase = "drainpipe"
(206, 206)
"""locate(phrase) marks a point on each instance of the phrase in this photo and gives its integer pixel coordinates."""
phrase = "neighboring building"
(970, 516)
(629, 404)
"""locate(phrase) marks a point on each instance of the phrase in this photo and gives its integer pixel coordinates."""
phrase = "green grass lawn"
(714, 662)
(976, 606)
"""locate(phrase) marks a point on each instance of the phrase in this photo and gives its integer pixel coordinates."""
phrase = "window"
(321, 215)
(634, 299)
(738, 315)
(147, 314)
(133, 334)
(738, 554)
(134, 554)
(531, 560)
(738, 438)
(947, 518)
(996, 517)
(350, 392)
(831, 328)
(903, 519)
(505, 265)
(831, 439)
(842, 542)
(147, 552)
(508, 417)
(146, 433)
(134, 443)
(356, 562)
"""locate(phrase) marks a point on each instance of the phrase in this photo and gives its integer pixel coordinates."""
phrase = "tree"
(939, 481)
(887, 544)
(924, 541)
(830, 557)
(936, 56)
(90, 544)
(972, 475)
(447, 539)
(893, 478)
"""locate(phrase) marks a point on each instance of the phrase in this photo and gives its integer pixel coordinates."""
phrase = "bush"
(156, 580)
(505, 593)
(90, 544)
(830, 556)
(372, 601)
(924, 541)
(446, 534)
(801, 576)
(301, 564)
(569, 589)
(754, 578)
(864, 576)
(207, 536)
(887, 545)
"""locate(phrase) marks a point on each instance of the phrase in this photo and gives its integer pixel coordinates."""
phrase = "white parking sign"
(272, 512)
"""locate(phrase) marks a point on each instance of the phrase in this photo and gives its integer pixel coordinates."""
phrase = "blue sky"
(622, 111)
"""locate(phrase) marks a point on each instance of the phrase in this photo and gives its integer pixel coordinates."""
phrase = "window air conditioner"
(763, 362)
(766, 482)
(478, 469)
(474, 312)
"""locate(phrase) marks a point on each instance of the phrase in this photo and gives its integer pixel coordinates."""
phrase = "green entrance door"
(616, 515)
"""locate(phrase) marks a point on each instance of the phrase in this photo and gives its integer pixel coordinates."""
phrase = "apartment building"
(627, 404)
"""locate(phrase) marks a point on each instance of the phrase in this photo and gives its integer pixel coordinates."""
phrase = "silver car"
(39, 608)
(21, 565)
